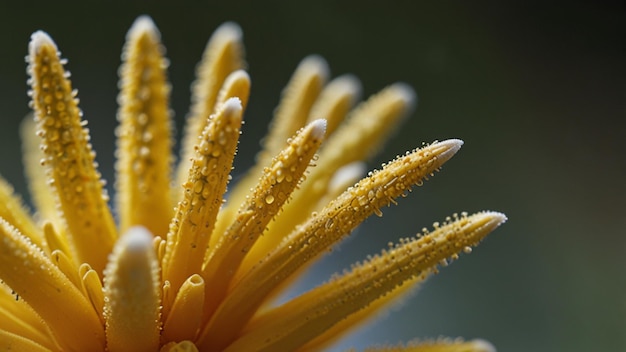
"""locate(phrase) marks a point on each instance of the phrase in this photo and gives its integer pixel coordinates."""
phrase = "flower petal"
(367, 127)
(291, 325)
(19, 318)
(13, 342)
(185, 317)
(12, 210)
(335, 101)
(224, 53)
(319, 233)
(132, 294)
(192, 226)
(69, 160)
(291, 115)
(38, 185)
(439, 345)
(29, 272)
(144, 141)
(266, 199)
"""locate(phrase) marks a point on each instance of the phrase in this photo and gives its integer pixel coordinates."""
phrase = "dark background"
(536, 91)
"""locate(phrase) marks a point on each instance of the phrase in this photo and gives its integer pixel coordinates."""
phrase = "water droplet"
(467, 249)
(269, 199)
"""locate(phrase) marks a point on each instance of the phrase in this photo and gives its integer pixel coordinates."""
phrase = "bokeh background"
(535, 89)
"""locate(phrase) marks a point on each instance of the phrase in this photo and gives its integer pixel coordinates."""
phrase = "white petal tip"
(406, 93)
(39, 39)
(317, 64)
(143, 24)
(232, 106)
(348, 174)
(318, 128)
(480, 345)
(349, 83)
(137, 239)
(496, 217)
(452, 145)
(237, 75)
(229, 31)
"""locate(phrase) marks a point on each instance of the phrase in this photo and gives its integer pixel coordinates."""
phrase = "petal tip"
(230, 31)
(318, 128)
(38, 40)
(316, 63)
(137, 238)
(481, 345)
(406, 93)
(143, 24)
(448, 148)
(496, 217)
(232, 106)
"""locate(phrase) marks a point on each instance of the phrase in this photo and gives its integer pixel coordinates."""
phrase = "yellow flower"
(184, 270)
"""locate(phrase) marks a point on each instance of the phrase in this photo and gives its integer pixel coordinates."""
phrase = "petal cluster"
(181, 268)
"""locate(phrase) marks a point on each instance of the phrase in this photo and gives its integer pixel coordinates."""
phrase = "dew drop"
(269, 199)
(467, 249)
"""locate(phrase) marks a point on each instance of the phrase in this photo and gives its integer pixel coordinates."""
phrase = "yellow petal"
(236, 85)
(356, 320)
(12, 210)
(69, 160)
(321, 231)
(439, 345)
(184, 346)
(335, 101)
(40, 192)
(291, 325)
(183, 321)
(345, 177)
(28, 272)
(67, 267)
(132, 294)
(272, 191)
(13, 342)
(55, 241)
(92, 287)
(368, 126)
(223, 54)
(291, 115)
(18, 318)
(144, 141)
(191, 228)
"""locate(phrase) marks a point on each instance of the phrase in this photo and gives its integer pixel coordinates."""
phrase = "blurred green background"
(536, 90)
